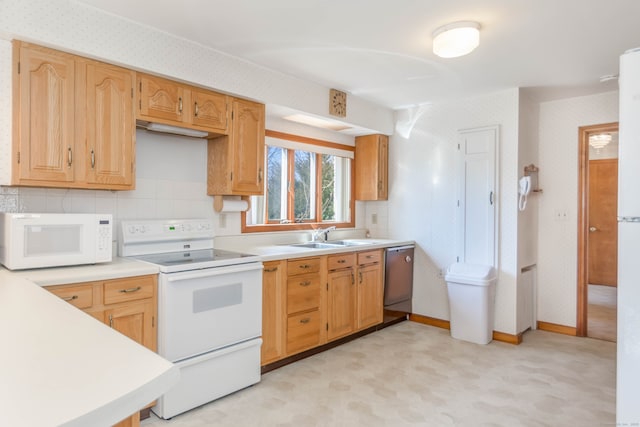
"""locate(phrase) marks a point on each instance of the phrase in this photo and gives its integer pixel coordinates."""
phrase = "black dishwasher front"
(398, 283)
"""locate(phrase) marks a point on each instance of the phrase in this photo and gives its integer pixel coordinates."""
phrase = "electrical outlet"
(561, 215)
(374, 219)
(222, 220)
(441, 273)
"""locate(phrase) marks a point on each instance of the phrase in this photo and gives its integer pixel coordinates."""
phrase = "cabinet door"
(46, 135)
(161, 100)
(135, 320)
(371, 172)
(247, 142)
(273, 312)
(341, 302)
(209, 110)
(110, 125)
(370, 295)
(383, 167)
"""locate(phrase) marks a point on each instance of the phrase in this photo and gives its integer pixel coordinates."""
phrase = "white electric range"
(209, 309)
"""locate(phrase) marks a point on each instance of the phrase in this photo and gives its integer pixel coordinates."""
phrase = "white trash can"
(471, 290)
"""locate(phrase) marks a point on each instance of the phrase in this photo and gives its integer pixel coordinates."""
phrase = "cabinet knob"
(305, 283)
(305, 320)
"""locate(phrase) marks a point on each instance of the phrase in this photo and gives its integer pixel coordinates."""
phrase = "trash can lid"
(473, 274)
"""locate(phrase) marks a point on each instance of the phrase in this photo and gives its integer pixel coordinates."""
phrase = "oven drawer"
(303, 266)
(303, 331)
(204, 310)
(128, 289)
(303, 293)
(80, 296)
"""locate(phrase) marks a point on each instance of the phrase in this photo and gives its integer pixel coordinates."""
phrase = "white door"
(476, 206)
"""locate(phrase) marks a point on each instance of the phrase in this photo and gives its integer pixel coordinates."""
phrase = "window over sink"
(308, 182)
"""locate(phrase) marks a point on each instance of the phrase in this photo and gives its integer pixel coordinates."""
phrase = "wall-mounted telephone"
(524, 188)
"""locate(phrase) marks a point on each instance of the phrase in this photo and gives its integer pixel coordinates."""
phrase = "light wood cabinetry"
(110, 126)
(372, 165)
(370, 289)
(304, 304)
(308, 302)
(274, 316)
(128, 305)
(341, 295)
(74, 123)
(169, 102)
(236, 161)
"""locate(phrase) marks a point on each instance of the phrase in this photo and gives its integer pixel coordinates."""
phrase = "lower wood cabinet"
(274, 317)
(308, 302)
(128, 305)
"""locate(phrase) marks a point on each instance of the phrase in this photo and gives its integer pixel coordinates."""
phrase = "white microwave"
(36, 240)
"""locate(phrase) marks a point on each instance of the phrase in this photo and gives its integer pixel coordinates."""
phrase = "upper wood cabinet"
(74, 121)
(372, 164)
(169, 102)
(110, 127)
(45, 103)
(236, 161)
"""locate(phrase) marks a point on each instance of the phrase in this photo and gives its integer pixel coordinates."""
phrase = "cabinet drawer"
(369, 257)
(303, 331)
(303, 266)
(303, 293)
(79, 296)
(129, 289)
(335, 262)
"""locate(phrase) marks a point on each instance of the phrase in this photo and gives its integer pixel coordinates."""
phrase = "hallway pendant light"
(600, 140)
(456, 39)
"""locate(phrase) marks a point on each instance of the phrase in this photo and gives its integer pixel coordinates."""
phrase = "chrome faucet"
(321, 232)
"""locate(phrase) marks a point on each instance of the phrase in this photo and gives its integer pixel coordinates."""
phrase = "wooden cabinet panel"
(135, 320)
(303, 331)
(75, 124)
(45, 141)
(210, 110)
(160, 99)
(335, 262)
(273, 312)
(341, 300)
(110, 125)
(370, 296)
(248, 147)
(303, 266)
(303, 293)
(80, 296)
(371, 167)
(128, 289)
(235, 162)
(369, 257)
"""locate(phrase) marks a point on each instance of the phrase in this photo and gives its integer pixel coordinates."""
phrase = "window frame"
(306, 225)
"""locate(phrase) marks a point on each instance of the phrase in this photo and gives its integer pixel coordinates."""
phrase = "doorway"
(598, 231)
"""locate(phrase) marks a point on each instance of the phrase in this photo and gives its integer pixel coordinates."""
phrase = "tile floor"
(602, 312)
(416, 375)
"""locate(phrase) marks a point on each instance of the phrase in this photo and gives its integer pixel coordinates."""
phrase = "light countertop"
(286, 251)
(119, 267)
(61, 367)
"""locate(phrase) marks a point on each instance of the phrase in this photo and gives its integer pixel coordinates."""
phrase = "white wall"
(557, 236)
(422, 197)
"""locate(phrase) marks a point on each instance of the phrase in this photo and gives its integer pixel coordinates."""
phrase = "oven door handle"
(214, 271)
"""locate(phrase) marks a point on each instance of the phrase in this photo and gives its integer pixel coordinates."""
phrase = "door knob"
(592, 229)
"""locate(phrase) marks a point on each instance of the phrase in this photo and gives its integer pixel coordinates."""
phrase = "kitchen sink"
(315, 245)
(348, 242)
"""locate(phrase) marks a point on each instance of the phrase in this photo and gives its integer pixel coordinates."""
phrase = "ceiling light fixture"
(600, 140)
(317, 122)
(456, 39)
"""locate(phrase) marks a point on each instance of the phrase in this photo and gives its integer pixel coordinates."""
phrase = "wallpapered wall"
(422, 199)
(557, 238)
